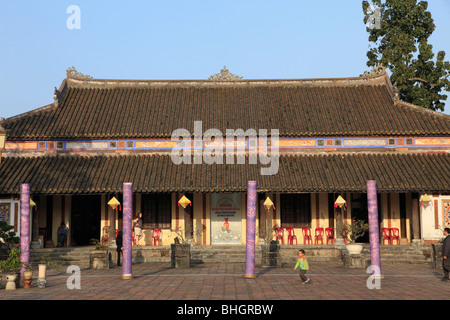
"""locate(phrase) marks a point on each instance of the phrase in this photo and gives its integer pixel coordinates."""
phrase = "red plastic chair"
(395, 235)
(156, 237)
(387, 235)
(306, 235)
(330, 235)
(280, 234)
(291, 236)
(318, 235)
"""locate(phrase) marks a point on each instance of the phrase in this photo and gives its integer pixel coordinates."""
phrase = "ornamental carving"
(74, 74)
(224, 75)
(376, 71)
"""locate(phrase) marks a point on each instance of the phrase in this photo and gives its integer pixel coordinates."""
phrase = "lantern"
(33, 204)
(114, 203)
(184, 202)
(267, 204)
(340, 202)
(424, 200)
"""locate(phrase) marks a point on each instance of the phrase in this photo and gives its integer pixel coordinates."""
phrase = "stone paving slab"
(158, 281)
(209, 290)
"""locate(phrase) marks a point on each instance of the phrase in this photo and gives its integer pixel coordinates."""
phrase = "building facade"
(305, 142)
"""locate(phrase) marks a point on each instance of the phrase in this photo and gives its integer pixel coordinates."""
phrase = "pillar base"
(35, 245)
(249, 276)
(127, 277)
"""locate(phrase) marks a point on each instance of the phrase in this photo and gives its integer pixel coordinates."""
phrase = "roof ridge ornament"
(224, 75)
(377, 70)
(74, 74)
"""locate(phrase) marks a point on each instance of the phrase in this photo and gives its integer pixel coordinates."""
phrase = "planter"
(11, 282)
(27, 275)
(42, 282)
(99, 260)
(270, 254)
(181, 255)
(354, 248)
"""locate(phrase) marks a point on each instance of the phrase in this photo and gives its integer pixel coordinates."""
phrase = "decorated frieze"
(245, 143)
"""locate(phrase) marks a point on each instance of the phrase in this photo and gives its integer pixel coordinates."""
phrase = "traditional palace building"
(317, 139)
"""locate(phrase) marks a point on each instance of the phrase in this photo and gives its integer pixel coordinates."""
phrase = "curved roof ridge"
(366, 79)
(423, 109)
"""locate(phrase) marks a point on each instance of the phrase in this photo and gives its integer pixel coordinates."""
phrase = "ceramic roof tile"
(157, 173)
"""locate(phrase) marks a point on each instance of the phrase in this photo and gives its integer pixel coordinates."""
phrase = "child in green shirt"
(304, 266)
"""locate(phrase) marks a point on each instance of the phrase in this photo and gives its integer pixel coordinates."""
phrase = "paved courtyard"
(158, 281)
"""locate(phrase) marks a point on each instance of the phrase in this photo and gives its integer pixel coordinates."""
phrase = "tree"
(400, 43)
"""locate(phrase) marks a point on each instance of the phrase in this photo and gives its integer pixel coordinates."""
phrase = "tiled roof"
(337, 172)
(94, 109)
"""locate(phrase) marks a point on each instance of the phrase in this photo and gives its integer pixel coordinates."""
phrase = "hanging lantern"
(267, 204)
(114, 203)
(340, 202)
(184, 202)
(33, 204)
(424, 200)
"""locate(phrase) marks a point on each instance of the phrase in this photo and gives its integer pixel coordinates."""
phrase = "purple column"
(251, 226)
(374, 234)
(127, 231)
(24, 225)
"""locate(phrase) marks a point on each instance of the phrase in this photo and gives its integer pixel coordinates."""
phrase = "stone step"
(221, 253)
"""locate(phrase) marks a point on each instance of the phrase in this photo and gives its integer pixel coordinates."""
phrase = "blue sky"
(182, 39)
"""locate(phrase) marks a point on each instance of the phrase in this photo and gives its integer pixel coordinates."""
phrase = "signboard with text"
(226, 218)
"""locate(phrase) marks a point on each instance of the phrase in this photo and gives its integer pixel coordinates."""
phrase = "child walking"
(304, 266)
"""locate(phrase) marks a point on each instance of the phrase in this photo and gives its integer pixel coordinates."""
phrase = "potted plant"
(181, 250)
(11, 268)
(351, 232)
(27, 275)
(100, 256)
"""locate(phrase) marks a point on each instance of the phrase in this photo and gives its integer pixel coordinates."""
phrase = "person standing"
(138, 225)
(119, 249)
(446, 255)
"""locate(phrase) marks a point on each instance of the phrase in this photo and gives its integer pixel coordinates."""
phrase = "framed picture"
(446, 213)
(4, 211)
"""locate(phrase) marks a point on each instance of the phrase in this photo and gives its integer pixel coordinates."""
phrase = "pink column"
(24, 225)
(374, 234)
(251, 227)
(127, 231)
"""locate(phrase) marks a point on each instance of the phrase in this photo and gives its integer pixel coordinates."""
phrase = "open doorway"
(85, 221)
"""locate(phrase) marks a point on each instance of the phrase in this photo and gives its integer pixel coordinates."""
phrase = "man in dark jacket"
(119, 241)
(446, 254)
